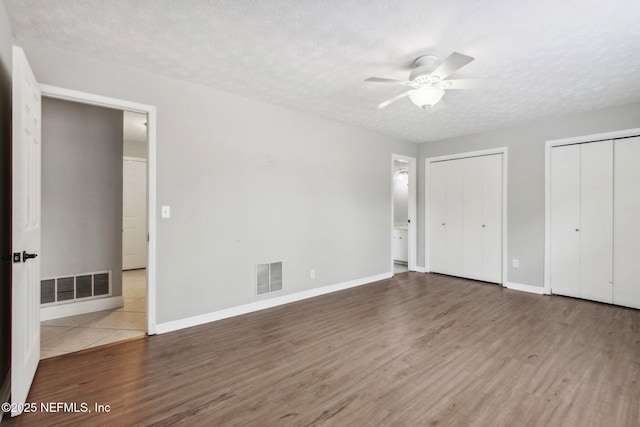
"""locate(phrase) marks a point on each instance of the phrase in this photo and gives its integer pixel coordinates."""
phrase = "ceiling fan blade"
(453, 63)
(469, 84)
(394, 99)
(380, 80)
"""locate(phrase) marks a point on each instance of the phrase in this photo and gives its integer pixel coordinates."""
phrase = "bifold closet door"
(437, 217)
(472, 169)
(626, 269)
(491, 218)
(565, 220)
(596, 221)
(454, 222)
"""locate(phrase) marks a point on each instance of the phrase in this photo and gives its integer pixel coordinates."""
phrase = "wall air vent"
(75, 287)
(268, 277)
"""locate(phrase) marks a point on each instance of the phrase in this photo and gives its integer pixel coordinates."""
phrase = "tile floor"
(73, 333)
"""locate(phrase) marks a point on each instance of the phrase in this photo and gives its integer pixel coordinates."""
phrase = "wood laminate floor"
(418, 349)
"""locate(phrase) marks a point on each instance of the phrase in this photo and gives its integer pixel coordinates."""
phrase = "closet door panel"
(596, 229)
(492, 218)
(565, 220)
(472, 210)
(626, 268)
(437, 217)
(455, 218)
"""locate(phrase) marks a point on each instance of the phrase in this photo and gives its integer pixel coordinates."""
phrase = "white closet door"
(565, 220)
(437, 217)
(455, 218)
(596, 217)
(626, 268)
(472, 209)
(492, 218)
(134, 215)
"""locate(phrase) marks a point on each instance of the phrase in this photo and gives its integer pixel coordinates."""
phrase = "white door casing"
(25, 233)
(134, 212)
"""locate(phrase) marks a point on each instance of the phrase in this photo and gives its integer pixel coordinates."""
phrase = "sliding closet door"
(455, 217)
(472, 211)
(565, 220)
(437, 217)
(596, 217)
(626, 271)
(492, 218)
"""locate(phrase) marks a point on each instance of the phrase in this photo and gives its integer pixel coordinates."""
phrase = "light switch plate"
(166, 212)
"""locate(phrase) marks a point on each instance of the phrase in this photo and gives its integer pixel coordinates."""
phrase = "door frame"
(457, 156)
(120, 104)
(412, 200)
(549, 144)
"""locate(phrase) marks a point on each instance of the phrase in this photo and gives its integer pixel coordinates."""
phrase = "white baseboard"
(525, 288)
(80, 307)
(175, 325)
(420, 269)
(5, 391)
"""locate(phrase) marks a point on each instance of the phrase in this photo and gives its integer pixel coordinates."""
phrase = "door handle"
(26, 256)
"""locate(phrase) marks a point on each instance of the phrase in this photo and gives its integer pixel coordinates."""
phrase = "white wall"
(247, 182)
(81, 190)
(525, 210)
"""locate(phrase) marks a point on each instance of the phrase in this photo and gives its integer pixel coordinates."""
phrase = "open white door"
(25, 302)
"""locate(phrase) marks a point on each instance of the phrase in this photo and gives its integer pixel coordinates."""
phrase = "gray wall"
(81, 190)
(525, 209)
(247, 182)
(5, 191)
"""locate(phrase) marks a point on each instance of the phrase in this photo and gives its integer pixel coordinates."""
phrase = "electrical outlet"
(516, 263)
(166, 212)
(312, 274)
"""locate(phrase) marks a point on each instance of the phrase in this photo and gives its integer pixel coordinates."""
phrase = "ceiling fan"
(428, 85)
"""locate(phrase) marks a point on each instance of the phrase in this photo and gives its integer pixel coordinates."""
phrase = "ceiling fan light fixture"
(426, 97)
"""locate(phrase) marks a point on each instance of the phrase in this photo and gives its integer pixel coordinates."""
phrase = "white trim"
(547, 186)
(150, 111)
(412, 210)
(525, 288)
(5, 391)
(80, 307)
(420, 269)
(487, 152)
(188, 322)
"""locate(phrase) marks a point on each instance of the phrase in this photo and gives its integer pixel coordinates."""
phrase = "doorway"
(26, 227)
(403, 214)
(93, 226)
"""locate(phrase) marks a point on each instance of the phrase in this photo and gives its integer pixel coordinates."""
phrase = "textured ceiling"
(550, 57)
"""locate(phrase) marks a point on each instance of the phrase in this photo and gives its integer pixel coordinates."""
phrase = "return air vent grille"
(268, 277)
(75, 287)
